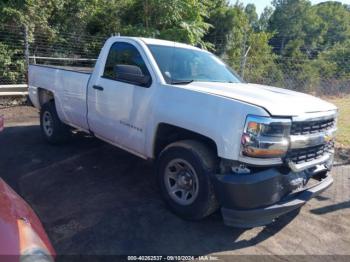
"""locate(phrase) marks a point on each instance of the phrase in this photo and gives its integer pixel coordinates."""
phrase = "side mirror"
(131, 74)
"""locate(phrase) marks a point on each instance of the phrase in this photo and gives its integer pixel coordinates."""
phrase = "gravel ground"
(96, 199)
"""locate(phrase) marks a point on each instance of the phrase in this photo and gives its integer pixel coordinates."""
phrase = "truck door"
(118, 110)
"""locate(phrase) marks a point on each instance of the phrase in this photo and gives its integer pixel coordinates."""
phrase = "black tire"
(60, 132)
(204, 163)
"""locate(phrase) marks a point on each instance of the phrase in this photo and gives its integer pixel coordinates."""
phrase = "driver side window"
(124, 54)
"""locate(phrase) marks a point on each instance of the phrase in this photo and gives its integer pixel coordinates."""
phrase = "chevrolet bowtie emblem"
(327, 138)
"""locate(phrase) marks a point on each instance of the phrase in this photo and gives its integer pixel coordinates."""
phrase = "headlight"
(32, 247)
(265, 137)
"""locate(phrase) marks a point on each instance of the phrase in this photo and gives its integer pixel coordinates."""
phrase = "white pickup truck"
(254, 151)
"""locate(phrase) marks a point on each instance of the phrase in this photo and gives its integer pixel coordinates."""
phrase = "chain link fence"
(65, 49)
(19, 46)
(299, 75)
(12, 55)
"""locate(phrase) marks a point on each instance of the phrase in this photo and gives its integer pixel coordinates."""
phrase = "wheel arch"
(167, 134)
(45, 96)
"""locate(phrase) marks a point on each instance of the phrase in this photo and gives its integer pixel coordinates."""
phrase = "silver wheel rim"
(47, 123)
(181, 182)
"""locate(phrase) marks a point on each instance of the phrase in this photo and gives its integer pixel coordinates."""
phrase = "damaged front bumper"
(256, 199)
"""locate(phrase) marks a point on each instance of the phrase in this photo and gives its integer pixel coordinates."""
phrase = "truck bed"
(68, 84)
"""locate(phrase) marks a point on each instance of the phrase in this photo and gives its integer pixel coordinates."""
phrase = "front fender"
(218, 118)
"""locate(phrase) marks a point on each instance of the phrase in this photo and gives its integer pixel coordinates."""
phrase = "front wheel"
(52, 128)
(183, 172)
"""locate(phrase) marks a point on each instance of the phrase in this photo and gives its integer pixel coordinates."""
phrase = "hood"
(277, 101)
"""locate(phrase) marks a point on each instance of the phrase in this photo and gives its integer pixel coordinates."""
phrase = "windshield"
(182, 66)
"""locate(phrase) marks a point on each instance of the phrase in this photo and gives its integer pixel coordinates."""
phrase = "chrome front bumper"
(326, 161)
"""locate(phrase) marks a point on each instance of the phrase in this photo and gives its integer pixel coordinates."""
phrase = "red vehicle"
(22, 236)
(1, 123)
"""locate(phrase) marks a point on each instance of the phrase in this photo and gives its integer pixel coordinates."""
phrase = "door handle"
(100, 88)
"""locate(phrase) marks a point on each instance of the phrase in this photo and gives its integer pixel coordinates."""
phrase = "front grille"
(311, 127)
(298, 156)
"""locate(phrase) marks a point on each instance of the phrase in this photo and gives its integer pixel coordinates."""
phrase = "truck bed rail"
(78, 69)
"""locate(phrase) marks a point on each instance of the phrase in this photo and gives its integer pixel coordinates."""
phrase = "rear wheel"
(183, 171)
(52, 128)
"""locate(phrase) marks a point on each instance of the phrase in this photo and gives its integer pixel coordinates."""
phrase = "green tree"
(238, 37)
(333, 65)
(261, 64)
(180, 20)
(253, 18)
(264, 19)
(299, 72)
(334, 21)
(33, 13)
(248, 51)
(222, 17)
(292, 19)
(303, 34)
(11, 69)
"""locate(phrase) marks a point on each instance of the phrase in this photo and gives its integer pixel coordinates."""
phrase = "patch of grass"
(343, 133)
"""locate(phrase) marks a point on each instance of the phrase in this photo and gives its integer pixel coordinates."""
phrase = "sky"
(261, 4)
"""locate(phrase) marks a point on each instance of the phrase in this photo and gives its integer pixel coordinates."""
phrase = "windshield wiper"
(181, 82)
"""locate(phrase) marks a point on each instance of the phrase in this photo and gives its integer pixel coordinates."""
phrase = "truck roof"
(153, 41)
